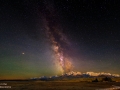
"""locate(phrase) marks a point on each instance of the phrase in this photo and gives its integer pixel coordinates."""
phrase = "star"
(23, 53)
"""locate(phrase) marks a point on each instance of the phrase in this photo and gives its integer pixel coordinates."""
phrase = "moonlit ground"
(79, 84)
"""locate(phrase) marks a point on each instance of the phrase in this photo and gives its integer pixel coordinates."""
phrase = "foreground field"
(57, 85)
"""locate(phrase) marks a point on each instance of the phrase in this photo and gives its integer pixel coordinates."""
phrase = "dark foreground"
(58, 85)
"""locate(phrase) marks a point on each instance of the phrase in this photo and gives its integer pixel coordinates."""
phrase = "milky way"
(57, 38)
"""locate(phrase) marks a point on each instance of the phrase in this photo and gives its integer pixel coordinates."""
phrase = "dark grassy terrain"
(79, 84)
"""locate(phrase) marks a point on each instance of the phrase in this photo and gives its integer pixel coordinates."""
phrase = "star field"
(91, 31)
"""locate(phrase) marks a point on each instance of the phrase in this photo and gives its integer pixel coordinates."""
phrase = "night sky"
(37, 36)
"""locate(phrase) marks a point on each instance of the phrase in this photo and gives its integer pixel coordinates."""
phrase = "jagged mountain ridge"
(79, 74)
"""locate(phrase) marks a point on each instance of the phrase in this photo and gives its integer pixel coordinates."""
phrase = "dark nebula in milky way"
(59, 41)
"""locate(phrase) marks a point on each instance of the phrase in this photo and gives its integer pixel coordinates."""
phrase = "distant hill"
(72, 75)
